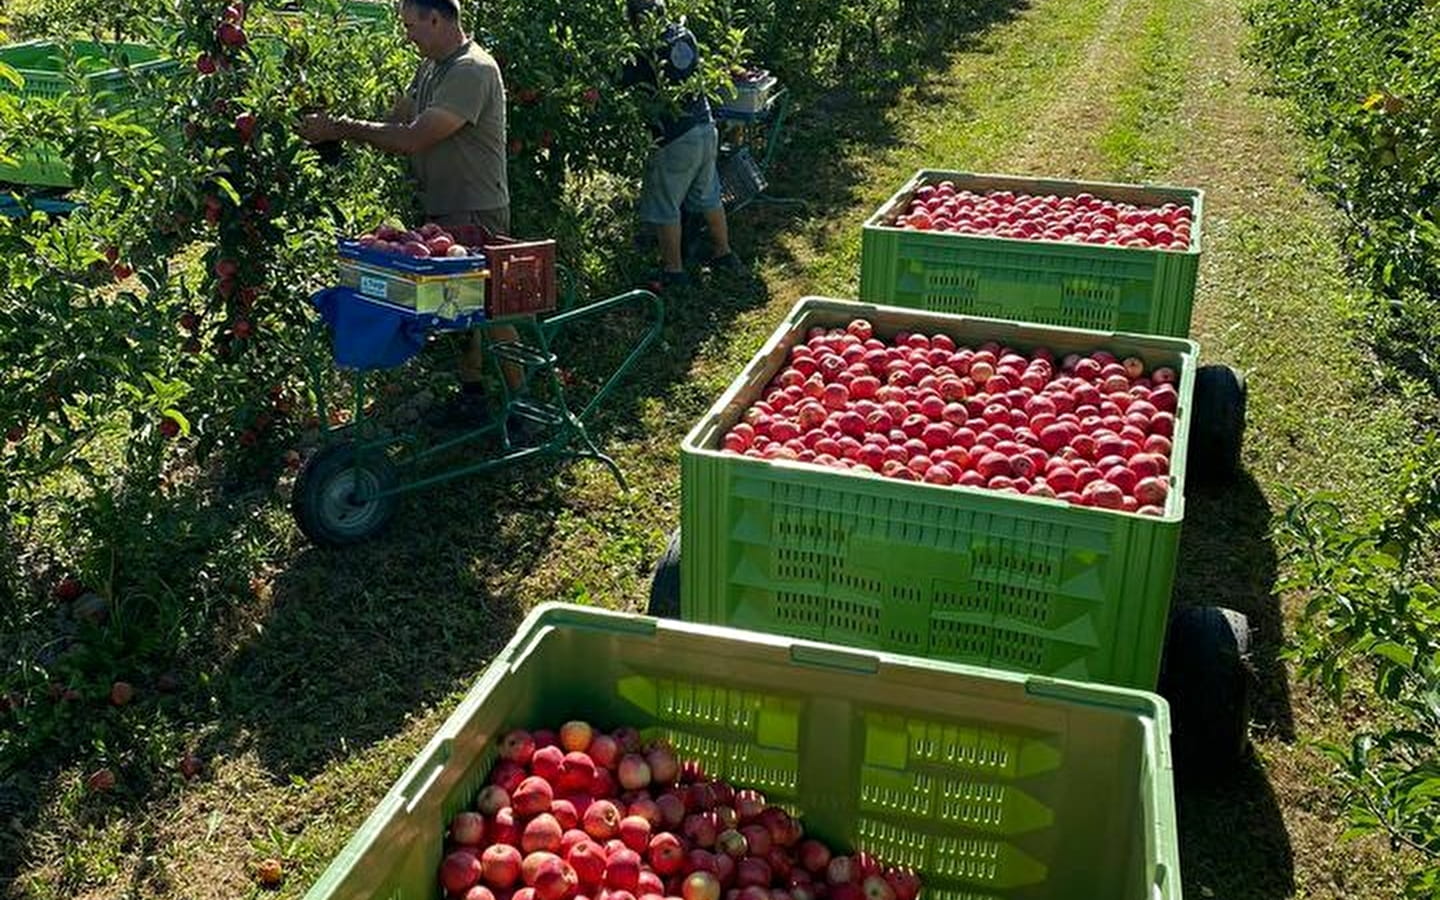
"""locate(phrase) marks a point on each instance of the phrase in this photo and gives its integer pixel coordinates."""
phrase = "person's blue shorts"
(682, 171)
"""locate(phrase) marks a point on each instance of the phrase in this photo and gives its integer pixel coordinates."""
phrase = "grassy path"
(331, 675)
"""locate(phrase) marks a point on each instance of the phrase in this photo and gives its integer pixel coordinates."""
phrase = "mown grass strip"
(1141, 139)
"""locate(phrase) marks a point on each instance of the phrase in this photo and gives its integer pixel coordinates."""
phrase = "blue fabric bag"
(366, 334)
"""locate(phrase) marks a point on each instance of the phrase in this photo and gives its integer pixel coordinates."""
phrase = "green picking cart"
(954, 573)
(105, 67)
(991, 785)
(347, 490)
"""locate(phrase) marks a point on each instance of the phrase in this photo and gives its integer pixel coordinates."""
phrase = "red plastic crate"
(522, 277)
(522, 273)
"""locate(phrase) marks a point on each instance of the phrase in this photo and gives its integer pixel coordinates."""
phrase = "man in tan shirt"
(451, 123)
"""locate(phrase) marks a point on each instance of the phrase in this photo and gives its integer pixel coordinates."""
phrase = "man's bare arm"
(405, 138)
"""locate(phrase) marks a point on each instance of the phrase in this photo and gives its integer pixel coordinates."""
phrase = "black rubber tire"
(1217, 427)
(1206, 678)
(665, 583)
(324, 500)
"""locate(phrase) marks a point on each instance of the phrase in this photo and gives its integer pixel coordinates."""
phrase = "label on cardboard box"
(371, 286)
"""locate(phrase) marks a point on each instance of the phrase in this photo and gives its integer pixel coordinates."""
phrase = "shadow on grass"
(1227, 559)
(357, 639)
(1233, 841)
(182, 564)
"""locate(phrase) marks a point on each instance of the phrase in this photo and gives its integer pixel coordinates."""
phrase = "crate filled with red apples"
(610, 756)
(959, 488)
(1111, 257)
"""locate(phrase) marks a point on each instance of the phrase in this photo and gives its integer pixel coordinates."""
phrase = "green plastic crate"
(371, 14)
(1074, 285)
(961, 574)
(42, 66)
(38, 167)
(368, 10)
(994, 786)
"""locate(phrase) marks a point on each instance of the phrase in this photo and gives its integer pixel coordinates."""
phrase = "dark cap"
(448, 9)
(634, 9)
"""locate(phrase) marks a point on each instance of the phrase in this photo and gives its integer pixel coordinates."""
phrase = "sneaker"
(660, 282)
(729, 263)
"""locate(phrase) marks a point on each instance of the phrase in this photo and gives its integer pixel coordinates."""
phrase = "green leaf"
(229, 189)
(180, 420)
(8, 73)
(1399, 655)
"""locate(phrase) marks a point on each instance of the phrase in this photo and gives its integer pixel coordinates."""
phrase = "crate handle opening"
(426, 775)
(1160, 887)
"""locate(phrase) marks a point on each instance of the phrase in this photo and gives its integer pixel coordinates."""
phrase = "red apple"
(753, 871)
(622, 870)
(459, 871)
(634, 772)
(532, 797)
(547, 762)
(634, 831)
(500, 865)
(904, 882)
(604, 749)
(1151, 492)
(467, 828)
(530, 866)
(701, 886)
(666, 853)
(602, 820)
(541, 833)
(575, 736)
(671, 808)
(555, 880)
(664, 766)
(588, 860)
(491, 800)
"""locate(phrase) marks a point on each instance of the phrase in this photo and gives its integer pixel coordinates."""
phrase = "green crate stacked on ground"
(992, 785)
(953, 573)
(42, 66)
(1076, 285)
(368, 14)
(369, 11)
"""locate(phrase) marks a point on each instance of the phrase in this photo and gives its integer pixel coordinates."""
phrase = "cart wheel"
(1206, 677)
(665, 584)
(325, 502)
(1217, 429)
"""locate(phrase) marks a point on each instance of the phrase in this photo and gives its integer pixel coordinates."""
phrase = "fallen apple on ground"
(643, 825)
